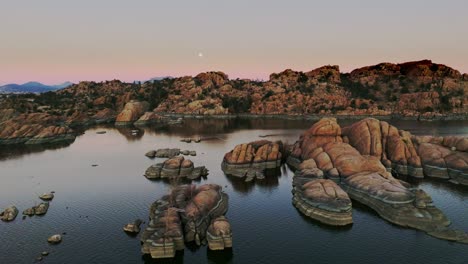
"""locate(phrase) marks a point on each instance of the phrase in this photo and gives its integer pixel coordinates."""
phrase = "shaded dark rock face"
(177, 167)
(187, 214)
(322, 153)
(252, 159)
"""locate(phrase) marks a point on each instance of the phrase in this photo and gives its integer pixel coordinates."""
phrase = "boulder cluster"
(188, 214)
(334, 165)
(176, 167)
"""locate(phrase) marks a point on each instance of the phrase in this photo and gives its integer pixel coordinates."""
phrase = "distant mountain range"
(32, 87)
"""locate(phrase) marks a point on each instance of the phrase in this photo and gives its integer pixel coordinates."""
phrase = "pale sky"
(53, 41)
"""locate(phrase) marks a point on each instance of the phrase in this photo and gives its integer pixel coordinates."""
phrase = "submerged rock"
(174, 168)
(252, 159)
(9, 214)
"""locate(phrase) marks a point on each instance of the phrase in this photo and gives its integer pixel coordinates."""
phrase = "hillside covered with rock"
(418, 90)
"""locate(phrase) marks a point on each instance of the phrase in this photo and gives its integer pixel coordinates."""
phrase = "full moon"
(200, 54)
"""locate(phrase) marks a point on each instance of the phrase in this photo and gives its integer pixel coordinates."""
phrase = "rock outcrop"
(444, 157)
(252, 159)
(393, 147)
(365, 179)
(187, 214)
(40, 209)
(35, 128)
(177, 167)
(132, 111)
(163, 153)
(149, 118)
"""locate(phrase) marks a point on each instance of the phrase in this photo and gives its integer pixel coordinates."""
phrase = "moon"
(200, 54)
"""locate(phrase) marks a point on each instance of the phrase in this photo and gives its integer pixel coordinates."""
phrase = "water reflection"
(270, 182)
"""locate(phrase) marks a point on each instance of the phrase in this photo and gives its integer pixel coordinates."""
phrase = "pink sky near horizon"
(52, 41)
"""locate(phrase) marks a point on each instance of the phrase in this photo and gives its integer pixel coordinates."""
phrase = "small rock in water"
(44, 253)
(55, 239)
(101, 132)
(47, 196)
(94, 165)
(39, 258)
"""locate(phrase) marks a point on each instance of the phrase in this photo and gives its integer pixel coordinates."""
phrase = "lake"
(92, 204)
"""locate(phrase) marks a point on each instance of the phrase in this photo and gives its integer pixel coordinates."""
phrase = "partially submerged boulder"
(185, 215)
(219, 235)
(134, 227)
(9, 214)
(177, 167)
(252, 159)
(55, 239)
(40, 209)
(47, 196)
(365, 179)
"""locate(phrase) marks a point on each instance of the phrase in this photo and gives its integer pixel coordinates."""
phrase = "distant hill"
(32, 87)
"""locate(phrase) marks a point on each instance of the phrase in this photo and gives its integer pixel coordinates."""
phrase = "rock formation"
(163, 153)
(365, 179)
(252, 159)
(176, 167)
(35, 128)
(40, 209)
(444, 157)
(187, 214)
(9, 214)
(393, 147)
(149, 118)
(132, 111)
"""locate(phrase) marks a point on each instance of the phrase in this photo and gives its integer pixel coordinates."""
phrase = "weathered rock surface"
(185, 214)
(219, 235)
(35, 128)
(366, 180)
(444, 158)
(149, 118)
(252, 159)
(393, 147)
(177, 167)
(132, 111)
(9, 214)
(105, 115)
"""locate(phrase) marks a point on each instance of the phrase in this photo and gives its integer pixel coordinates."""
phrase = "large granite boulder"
(252, 159)
(132, 111)
(105, 115)
(187, 214)
(176, 167)
(392, 146)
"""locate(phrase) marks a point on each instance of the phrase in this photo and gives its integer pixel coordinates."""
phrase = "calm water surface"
(92, 204)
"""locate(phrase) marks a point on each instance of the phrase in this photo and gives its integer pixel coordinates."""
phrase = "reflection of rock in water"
(11, 152)
(131, 133)
(187, 214)
(322, 153)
